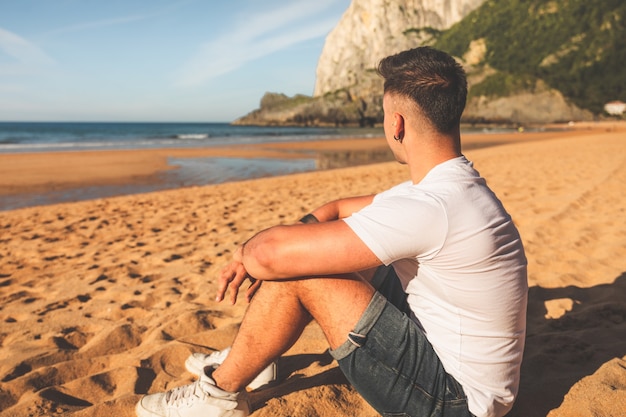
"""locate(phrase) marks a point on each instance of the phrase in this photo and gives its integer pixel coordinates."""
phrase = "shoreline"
(43, 178)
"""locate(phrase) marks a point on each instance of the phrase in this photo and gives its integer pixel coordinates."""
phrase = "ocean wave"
(53, 146)
(9, 141)
(76, 146)
(57, 136)
(192, 136)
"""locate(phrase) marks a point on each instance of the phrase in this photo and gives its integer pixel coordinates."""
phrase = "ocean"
(53, 136)
(20, 137)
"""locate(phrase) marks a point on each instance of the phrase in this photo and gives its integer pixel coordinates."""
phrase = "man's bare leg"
(277, 316)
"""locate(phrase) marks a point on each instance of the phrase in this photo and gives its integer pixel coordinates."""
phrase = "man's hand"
(233, 276)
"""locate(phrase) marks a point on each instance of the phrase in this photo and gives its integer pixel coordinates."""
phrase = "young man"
(433, 322)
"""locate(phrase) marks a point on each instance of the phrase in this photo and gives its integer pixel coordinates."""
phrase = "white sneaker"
(200, 399)
(196, 362)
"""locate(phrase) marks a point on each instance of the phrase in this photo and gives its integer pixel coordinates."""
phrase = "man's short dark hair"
(430, 78)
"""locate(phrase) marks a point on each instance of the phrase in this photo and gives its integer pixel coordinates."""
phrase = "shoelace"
(185, 394)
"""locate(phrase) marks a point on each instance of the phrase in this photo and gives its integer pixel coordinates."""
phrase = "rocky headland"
(348, 90)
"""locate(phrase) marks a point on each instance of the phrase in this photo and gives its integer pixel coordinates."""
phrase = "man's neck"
(431, 153)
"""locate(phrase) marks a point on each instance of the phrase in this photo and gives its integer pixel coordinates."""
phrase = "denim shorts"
(389, 361)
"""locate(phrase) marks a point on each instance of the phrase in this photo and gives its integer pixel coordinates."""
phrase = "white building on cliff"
(615, 108)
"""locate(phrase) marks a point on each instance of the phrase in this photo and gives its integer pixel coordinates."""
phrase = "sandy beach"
(101, 301)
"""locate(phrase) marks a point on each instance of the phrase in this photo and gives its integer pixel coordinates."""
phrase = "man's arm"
(328, 247)
(339, 209)
(306, 250)
(318, 249)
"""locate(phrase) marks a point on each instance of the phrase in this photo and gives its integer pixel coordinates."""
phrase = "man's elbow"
(260, 258)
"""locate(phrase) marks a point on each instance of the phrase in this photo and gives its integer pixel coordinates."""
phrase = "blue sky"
(156, 60)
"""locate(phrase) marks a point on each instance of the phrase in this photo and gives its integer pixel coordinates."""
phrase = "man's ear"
(398, 125)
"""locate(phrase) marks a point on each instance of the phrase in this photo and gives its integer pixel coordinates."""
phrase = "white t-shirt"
(461, 262)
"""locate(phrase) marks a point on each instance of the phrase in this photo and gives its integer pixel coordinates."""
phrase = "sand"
(101, 301)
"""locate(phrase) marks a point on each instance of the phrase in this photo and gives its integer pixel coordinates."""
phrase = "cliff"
(348, 91)
(534, 61)
(372, 29)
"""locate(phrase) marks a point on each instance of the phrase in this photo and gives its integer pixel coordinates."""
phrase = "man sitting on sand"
(433, 324)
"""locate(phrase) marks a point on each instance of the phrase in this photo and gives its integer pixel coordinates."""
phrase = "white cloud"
(26, 56)
(79, 27)
(256, 36)
(102, 23)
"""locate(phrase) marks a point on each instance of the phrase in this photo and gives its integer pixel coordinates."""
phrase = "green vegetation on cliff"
(575, 46)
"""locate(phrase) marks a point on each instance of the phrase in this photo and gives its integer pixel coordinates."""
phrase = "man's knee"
(337, 293)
